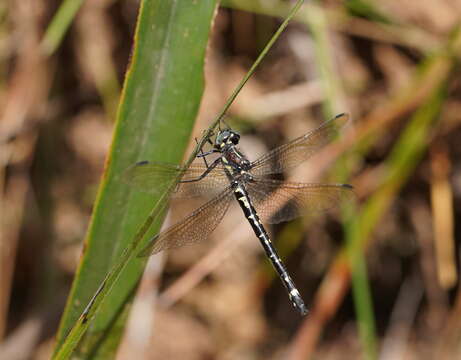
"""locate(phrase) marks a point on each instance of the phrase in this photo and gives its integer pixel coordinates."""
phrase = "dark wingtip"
(143, 162)
(347, 186)
(344, 114)
(339, 120)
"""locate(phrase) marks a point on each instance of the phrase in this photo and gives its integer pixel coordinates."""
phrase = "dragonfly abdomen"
(250, 213)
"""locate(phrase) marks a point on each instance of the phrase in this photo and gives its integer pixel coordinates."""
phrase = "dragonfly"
(232, 176)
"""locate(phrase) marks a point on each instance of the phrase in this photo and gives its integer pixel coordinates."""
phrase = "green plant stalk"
(405, 156)
(59, 25)
(364, 307)
(361, 292)
(369, 10)
(67, 346)
(317, 23)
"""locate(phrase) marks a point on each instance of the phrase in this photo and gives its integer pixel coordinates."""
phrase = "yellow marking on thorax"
(226, 165)
(240, 156)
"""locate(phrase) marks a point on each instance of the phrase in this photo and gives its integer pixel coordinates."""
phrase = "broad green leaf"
(102, 341)
(161, 96)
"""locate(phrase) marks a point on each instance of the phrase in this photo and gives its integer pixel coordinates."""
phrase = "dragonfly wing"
(278, 201)
(195, 227)
(298, 150)
(152, 177)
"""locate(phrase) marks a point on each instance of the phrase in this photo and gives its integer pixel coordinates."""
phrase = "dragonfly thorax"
(232, 158)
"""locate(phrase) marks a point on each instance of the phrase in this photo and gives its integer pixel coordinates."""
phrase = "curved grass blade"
(162, 93)
(79, 325)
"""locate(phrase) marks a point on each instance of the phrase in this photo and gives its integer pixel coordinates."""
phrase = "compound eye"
(235, 139)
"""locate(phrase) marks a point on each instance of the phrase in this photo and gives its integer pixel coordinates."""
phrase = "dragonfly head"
(226, 137)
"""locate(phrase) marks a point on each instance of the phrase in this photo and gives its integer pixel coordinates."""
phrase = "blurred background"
(380, 275)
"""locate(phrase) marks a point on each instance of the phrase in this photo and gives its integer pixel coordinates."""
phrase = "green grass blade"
(59, 25)
(368, 10)
(161, 96)
(146, 92)
(329, 77)
(318, 26)
(363, 304)
(401, 163)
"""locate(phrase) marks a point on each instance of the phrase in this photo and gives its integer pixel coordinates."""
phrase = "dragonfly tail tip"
(299, 305)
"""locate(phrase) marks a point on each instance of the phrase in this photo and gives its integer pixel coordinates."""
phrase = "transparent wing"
(152, 176)
(278, 201)
(195, 227)
(298, 150)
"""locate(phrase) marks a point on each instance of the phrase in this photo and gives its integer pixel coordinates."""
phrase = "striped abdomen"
(250, 213)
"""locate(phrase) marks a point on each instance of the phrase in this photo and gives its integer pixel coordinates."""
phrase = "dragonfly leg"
(202, 154)
(205, 173)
